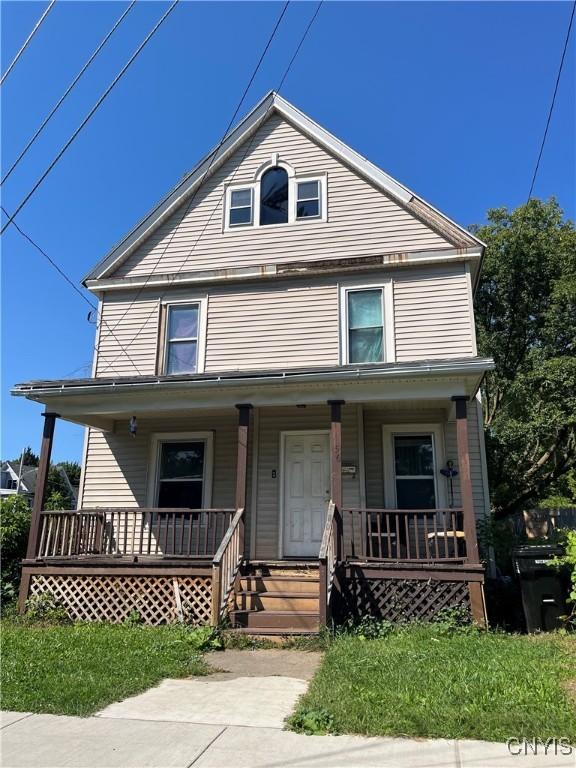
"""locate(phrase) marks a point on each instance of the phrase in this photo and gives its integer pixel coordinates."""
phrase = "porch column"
(41, 483)
(336, 452)
(242, 461)
(465, 478)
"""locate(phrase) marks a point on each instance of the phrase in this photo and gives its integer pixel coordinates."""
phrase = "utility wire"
(27, 41)
(188, 207)
(90, 114)
(551, 110)
(67, 92)
(73, 285)
(219, 201)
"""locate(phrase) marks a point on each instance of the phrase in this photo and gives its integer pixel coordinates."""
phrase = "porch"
(295, 537)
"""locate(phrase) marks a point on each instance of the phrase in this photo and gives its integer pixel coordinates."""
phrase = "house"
(283, 422)
(15, 479)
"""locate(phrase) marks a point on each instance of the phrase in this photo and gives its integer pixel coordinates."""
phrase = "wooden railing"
(226, 564)
(328, 557)
(404, 534)
(186, 533)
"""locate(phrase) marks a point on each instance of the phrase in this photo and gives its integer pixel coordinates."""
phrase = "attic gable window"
(274, 197)
(240, 209)
(308, 199)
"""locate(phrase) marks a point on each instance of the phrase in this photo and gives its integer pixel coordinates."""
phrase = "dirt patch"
(264, 663)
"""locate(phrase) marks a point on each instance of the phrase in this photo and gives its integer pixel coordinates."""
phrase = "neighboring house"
(14, 479)
(286, 374)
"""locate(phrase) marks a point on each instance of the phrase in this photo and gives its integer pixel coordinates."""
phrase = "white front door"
(306, 492)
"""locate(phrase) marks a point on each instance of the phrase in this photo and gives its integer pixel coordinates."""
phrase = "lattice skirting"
(158, 599)
(401, 599)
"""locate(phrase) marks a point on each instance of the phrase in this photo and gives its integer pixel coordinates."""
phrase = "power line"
(551, 110)
(90, 114)
(73, 285)
(188, 207)
(27, 41)
(67, 91)
(219, 201)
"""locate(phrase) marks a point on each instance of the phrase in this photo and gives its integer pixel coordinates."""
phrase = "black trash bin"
(544, 588)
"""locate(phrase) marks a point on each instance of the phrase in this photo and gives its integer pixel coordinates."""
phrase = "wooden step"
(271, 632)
(277, 601)
(280, 620)
(281, 583)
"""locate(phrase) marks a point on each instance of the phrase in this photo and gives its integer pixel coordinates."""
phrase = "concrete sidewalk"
(50, 741)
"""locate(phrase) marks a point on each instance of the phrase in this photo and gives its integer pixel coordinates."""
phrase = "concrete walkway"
(234, 717)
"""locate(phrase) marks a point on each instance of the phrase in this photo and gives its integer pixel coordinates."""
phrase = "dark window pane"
(240, 216)
(180, 494)
(274, 197)
(182, 460)
(307, 208)
(364, 309)
(413, 455)
(307, 190)
(365, 346)
(183, 323)
(415, 494)
(241, 197)
(182, 357)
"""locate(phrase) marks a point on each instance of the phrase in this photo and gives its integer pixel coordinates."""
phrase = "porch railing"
(328, 559)
(226, 565)
(404, 534)
(186, 533)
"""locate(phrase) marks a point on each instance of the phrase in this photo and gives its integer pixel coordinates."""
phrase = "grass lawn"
(427, 681)
(78, 669)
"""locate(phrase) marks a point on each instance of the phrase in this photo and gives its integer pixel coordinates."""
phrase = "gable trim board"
(274, 103)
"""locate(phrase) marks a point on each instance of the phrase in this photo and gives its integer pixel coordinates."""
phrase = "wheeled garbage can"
(544, 588)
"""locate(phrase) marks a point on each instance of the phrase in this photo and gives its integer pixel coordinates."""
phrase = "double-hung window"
(182, 338)
(365, 325)
(414, 471)
(308, 199)
(181, 473)
(241, 207)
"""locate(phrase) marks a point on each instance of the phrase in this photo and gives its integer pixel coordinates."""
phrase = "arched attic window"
(274, 196)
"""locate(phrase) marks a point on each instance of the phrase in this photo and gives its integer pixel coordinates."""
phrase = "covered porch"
(367, 552)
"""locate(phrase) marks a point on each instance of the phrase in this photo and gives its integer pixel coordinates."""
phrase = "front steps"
(277, 598)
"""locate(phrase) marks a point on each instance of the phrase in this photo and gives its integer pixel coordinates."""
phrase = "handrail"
(328, 559)
(226, 564)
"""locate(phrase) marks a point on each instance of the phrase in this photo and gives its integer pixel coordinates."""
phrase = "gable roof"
(28, 478)
(270, 104)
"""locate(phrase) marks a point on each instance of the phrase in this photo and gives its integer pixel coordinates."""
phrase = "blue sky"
(450, 98)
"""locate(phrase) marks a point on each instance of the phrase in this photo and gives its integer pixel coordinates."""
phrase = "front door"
(306, 492)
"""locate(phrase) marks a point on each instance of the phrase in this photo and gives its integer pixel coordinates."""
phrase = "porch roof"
(99, 401)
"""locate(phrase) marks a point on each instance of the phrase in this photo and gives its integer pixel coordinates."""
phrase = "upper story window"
(184, 333)
(367, 324)
(241, 204)
(308, 199)
(274, 197)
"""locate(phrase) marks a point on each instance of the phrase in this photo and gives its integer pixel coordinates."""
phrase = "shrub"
(568, 560)
(14, 528)
(45, 608)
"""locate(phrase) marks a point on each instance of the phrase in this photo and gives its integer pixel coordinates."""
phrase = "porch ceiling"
(100, 402)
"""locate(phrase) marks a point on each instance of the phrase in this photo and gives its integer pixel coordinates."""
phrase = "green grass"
(78, 669)
(427, 681)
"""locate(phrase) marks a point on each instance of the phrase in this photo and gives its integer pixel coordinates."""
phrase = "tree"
(29, 458)
(526, 321)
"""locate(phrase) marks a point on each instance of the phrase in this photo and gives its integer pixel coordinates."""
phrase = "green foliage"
(56, 500)
(526, 321)
(28, 458)
(133, 619)
(314, 722)
(14, 527)
(205, 638)
(568, 560)
(80, 668)
(438, 681)
(44, 608)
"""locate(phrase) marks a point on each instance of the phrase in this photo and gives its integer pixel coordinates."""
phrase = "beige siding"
(376, 416)
(291, 323)
(273, 421)
(432, 315)
(361, 219)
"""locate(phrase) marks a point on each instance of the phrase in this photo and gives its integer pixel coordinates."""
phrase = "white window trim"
(293, 180)
(387, 314)
(229, 191)
(202, 303)
(389, 431)
(157, 439)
